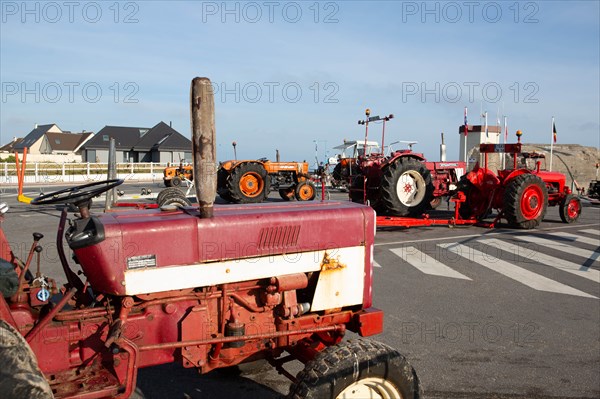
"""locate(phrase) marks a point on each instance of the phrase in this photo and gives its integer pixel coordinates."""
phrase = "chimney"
(170, 124)
(35, 126)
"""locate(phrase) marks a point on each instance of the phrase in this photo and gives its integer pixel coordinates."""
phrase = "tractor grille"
(281, 237)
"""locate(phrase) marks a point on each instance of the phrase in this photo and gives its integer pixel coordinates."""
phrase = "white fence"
(52, 172)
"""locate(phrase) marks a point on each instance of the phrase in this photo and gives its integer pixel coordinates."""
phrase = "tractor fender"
(515, 173)
(231, 165)
(483, 178)
(412, 155)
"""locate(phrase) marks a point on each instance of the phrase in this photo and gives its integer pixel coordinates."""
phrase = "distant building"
(49, 143)
(476, 135)
(161, 143)
(9, 148)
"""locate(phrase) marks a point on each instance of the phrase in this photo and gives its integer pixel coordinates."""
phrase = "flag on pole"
(505, 129)
(554, 130)
(486, 124)
(466, 124)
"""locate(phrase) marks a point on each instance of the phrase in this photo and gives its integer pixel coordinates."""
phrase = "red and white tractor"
(279, 282)
(402, 183)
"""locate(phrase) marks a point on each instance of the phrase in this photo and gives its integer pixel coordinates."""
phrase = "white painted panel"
(426, 263)
(343, 286)
(523, 276)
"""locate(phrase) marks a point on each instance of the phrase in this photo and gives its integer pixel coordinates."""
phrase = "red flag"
(505, 129)
(554, 130)
(466, 124)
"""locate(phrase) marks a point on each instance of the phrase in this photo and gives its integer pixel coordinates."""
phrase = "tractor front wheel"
(406, 188)
(525, 201)
(306, 191)
(357, 369)
(570, 208)
(248, 183)
(176, 181)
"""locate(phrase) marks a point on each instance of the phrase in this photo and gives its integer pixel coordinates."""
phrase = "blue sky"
(290, 73)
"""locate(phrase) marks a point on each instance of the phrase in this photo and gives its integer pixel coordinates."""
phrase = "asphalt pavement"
(480, 313)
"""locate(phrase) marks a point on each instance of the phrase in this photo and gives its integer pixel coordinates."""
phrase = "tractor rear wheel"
(406, 188)
(20, 376)
(525, 201)
(248, 183)
(306, 191)
(222, 190)
(357, 369)
(287, 194)
(357, 189)
(570, 208)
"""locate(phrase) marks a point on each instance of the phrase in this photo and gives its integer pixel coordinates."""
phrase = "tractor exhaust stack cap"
(204, 144)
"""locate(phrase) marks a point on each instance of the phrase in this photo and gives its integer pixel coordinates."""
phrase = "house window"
(105, 137)
(57, 141)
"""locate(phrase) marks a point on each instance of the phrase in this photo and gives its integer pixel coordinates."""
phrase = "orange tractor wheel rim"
(251, 184)
(306, 192)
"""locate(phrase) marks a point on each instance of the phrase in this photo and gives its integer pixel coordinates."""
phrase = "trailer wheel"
(287, 194)
(20, 376)
(406, 188)
(357, 369)
(570, 208)
(248, 183)
(306, 191)
(167, 192)
(525, 201)
(176, 181)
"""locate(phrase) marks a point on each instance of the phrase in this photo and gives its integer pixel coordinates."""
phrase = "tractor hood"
(138, 252)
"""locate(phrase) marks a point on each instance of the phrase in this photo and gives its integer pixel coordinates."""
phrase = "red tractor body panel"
(151, 239)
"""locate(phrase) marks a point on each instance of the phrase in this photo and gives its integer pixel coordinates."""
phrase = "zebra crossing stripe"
(560, 246)
(426, 264)
(578, 238)
(375, 264)
(519, 274)
(595, 232)
(547, 260)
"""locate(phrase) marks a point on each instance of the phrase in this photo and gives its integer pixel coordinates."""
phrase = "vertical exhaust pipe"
(203, 144)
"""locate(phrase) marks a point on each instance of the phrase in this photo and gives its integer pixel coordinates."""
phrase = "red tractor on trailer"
(403, 183)
(252, 282)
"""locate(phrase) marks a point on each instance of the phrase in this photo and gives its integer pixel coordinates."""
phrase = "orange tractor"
(174, 175)
(251, 181)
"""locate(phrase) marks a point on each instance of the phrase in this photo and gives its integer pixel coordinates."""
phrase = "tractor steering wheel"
(77, 195)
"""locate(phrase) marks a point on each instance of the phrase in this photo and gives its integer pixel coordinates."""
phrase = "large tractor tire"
(172, 196)
(406, 188)
(306, 191)
(167, 192)
(525, 201)
(570, 208)
(357, 189)
(357, 369)
(476, 205)
(248, 183)
(222, 190)
(20, 376)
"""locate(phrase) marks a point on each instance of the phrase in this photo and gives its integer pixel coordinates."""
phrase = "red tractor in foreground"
(403, 183)
(251, 282)
(520, 195)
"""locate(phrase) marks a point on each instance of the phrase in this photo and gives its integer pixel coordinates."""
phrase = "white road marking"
(523, 276)
(578, 238)
(560, 246)
(484, 232)
(594, 232)
(547, 260)
(375, 264)
(426, 263)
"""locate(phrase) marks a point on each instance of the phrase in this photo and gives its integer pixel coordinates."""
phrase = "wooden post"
(203, 144)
